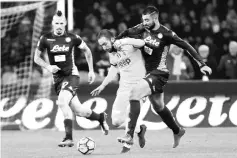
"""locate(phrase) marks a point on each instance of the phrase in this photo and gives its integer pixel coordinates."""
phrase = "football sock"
(138, 128)
(68, 128)
(94, 116)
(133, 116)
(169, 120)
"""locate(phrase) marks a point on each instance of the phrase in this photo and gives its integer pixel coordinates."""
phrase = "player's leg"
(139, 91)
(63, 103)
(157, 101)
(65, 89)
(157, 80)
(119, 117)
(119, 110)
(82, 111)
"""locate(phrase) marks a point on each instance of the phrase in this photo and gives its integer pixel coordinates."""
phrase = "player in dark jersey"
(157, 42)
(59, 46)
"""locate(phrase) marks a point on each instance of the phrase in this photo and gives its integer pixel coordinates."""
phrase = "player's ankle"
(68, 136)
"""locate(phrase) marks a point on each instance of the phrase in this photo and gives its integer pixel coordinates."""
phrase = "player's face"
(105, 43)
(148, 21)
(59, 24)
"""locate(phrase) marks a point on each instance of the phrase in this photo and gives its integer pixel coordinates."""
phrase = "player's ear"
(65, 21)
(155, 16)
(112, 39)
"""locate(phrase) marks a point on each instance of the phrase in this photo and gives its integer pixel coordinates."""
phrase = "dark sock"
(168, 119)
(133, 116)
(68, 128)
(94, 116)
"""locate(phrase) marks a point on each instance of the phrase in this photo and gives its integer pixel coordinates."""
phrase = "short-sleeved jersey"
(157, 45)
(60, 51)
(129, 62)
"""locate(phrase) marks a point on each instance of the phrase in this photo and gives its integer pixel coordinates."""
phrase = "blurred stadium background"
(28, 99)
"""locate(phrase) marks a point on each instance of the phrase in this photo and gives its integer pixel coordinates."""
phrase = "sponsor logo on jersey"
(68, 39)
(58, 48)
(151, 41)
(124, 62)
(148, 50)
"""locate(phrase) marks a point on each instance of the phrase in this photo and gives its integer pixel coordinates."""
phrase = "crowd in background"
(209, 26)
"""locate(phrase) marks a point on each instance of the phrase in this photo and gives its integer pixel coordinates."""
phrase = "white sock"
(127, 145)
(138, 129)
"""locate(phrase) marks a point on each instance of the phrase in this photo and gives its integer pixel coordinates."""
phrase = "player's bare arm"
(38, 60)
(137, 43)
(113, 71)
(185, 45)
(86, 50)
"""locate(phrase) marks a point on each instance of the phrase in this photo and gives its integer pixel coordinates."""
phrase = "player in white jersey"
(126, 59)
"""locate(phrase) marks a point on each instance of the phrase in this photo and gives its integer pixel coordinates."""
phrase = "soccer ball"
(86, 145)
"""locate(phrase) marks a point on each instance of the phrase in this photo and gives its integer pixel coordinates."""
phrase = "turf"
(197, 143)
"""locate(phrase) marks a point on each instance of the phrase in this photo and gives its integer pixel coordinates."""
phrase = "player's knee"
(61, 102)
(134, 95)
(159, 105)
(117, 122)
(83, 112)
(117, 119)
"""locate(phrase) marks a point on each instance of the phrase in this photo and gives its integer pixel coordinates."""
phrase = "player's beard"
(112, 49)
(150, 27)
(59, 31)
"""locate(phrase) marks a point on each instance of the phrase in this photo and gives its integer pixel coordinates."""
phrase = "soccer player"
(126, 60)
(59, 45)
(158, 39)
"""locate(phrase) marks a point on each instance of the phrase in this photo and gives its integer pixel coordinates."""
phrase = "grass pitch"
(196, 143)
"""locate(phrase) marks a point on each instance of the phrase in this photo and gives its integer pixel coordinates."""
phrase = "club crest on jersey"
(151, 41)
(58, 48)
(160, 35)
(68, 39)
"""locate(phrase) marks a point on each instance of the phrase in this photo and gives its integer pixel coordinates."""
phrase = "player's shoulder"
(74, 36)
(138, 28)
(166, 31)
(45, 36)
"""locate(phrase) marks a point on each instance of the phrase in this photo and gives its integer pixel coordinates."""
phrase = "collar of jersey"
(55, 36)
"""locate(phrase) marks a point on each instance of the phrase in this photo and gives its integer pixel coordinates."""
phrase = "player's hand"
(53, 68)
(117, 44)
(98, 90)
(91, 77)
(206, 70)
